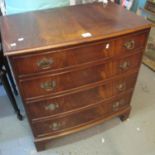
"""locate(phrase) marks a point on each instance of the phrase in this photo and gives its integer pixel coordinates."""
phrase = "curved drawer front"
(79, 119)
(69, 122)
(120, 102)
(129, 43)
(125, 64)
(52, 84)
(82, 99)
(69, 103)
(63, 59)
(124, 83)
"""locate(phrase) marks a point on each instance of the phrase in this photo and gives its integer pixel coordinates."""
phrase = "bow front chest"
(75, 66)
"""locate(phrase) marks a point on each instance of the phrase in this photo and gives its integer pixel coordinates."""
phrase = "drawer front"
(119, 103)
(130, 43)
(52, 84)
(82, 99)
(53, 126)
(124, 83)
(69, 103)
(129, 63)
(78, 119)
(60, 60)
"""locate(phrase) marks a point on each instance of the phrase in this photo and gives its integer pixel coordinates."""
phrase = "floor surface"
(136, 136)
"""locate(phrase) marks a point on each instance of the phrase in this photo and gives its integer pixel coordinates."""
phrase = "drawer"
(69, 103)
(76, 120)
(130, 43)
(49, 84)
(127, 63)
(124, 83)
(61, 124)
(120, 102)
(59, 60)
(82, 99)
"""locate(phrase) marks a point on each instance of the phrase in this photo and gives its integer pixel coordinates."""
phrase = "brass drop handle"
(52, 107)
(55, 126)
(48, 86)
(121, 87)
(45, 63)
(115, 106)
(125, 65)
(118, 104)
(130, 44)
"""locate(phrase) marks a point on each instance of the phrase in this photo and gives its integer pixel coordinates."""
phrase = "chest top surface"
(59, 27)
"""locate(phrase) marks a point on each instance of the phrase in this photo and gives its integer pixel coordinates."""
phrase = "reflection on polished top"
(53, 28)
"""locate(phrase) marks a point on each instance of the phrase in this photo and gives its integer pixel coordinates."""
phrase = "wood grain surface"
(55, 28)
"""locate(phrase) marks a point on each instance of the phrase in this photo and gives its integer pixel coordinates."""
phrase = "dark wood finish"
(129, 43)
(91, 114)
(69, 103)
(125, 116)
(76, 101)
(108, 117)
(55, 28)
(127, 64)
(40, 146)
(69, 83)
(68, 122)
(60, 60)
(61, 83)
(79, 78)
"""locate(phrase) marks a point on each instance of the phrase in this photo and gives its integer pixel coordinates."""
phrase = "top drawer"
(128, 44)
(62, 59)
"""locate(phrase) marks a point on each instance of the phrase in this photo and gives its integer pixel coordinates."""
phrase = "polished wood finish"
(61, 83)
(68, 82)
(91, 114)
(69, 103)
(59, 60)
(55, 28)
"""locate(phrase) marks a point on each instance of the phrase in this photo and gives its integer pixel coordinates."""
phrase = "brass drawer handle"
(130, 45)
(125, 65)
(115, 106)
(55, 126)
(48, 86)
(52, 107)
(121, 87)
(45, 63)
(118, 104)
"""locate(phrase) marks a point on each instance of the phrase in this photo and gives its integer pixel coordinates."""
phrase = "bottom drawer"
(119, 103)
(85, 117)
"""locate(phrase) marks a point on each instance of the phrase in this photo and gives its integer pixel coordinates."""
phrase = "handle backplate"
(130, 44)
(52, 107)
(118, 104)
(121, 87)
(125, 65)
(48, 86)
(45, 63)
(55, 126)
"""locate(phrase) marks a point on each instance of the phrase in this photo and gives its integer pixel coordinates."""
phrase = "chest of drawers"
(69, 82)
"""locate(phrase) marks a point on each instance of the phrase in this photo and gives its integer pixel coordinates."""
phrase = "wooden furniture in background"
(75, 66)
(149, 13)
(4, 74)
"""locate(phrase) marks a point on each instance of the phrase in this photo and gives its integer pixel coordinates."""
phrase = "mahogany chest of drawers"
(75, 66)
